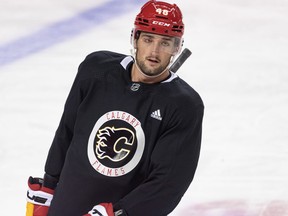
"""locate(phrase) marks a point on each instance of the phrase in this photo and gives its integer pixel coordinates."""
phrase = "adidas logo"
(156, 114)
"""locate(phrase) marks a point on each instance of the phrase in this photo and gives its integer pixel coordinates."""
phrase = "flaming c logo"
(116, 144)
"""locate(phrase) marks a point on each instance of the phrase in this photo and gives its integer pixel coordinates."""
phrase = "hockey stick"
(180, 60)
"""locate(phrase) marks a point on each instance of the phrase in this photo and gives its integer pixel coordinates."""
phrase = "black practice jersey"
(133, 144)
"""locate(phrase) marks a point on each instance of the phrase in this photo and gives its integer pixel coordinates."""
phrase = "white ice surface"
(239, 66)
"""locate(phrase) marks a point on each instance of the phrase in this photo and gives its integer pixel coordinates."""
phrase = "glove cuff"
(50, 181)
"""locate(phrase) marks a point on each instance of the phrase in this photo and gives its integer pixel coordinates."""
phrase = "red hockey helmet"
(160, 18)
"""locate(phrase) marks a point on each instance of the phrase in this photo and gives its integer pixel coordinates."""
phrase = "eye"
(147, 39)
(165, 43)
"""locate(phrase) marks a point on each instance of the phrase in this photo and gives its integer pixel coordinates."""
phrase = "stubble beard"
(150, 72)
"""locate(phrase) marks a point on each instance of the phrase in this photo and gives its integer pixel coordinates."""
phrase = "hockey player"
(129, 138)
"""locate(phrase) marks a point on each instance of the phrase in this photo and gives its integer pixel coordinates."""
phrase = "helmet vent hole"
(161, 17)
(143, 20)
(142, 23)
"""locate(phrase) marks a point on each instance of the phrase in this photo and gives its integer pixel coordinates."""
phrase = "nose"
(156, 47)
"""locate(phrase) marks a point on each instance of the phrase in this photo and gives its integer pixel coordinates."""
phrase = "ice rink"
(239, 66)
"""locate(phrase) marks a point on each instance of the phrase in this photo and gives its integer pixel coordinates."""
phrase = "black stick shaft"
(180, 60)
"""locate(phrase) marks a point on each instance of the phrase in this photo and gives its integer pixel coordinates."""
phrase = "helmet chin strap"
(146, 75)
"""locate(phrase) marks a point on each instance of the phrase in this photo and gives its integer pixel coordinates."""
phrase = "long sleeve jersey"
(133, 144)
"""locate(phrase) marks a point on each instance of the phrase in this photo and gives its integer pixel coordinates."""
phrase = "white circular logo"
(116, 144)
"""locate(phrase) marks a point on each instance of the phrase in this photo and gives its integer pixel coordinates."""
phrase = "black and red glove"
(39, 195)
(105, 209)
(102, 209)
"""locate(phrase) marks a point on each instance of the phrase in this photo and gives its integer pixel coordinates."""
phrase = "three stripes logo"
(157, 115)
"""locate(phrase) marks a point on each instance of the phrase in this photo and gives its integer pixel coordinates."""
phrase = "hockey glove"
(102, 209)
(39, 195)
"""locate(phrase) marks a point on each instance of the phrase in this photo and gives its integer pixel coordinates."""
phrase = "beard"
(148, 71)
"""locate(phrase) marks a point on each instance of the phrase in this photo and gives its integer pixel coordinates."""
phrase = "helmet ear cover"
(137, 35)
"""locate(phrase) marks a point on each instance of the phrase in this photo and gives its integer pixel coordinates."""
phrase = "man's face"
(154, 52)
